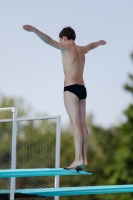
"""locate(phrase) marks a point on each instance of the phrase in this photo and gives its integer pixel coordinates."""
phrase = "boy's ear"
(65, 38)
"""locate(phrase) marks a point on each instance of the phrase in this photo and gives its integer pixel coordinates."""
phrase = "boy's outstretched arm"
(45, 37)
(92, 45)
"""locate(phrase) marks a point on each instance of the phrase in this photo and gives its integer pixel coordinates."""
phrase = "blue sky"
(31, 69)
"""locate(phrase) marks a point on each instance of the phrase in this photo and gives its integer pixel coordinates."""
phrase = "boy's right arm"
(92, 45)
(45, 37)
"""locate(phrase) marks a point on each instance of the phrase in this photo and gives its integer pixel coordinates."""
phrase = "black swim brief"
(78, 90)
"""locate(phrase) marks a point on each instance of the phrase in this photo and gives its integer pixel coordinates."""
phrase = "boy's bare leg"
(82, 105)
(73, 109)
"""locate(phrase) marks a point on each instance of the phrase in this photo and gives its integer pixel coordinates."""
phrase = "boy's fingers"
(25, 27)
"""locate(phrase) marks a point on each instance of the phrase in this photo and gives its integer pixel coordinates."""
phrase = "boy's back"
(73, 63)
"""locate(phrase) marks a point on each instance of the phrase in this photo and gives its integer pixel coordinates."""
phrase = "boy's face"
(60, 39)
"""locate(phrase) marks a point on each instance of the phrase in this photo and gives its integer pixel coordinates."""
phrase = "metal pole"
(57, 153)
(13, 151)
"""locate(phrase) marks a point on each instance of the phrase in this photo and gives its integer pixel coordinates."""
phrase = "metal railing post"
(57, 161)
(13, 151)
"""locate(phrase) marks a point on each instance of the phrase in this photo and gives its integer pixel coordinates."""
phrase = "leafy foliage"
(110, 151)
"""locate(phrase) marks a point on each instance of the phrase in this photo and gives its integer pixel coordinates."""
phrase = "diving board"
(71, 191)
(8, 173)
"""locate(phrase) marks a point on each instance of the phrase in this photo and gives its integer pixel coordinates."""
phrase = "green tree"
(124, 156)
(19, 103)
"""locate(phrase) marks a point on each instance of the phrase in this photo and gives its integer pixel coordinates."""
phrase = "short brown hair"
(68, 32)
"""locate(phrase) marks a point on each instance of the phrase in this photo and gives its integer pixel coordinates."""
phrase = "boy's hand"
(28, 28)
(102, 42)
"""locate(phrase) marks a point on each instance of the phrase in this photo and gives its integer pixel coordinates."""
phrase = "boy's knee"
(75, 122)
(83, 124)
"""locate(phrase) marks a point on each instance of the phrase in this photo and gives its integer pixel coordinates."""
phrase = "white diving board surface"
(40, 172)
(71, 191)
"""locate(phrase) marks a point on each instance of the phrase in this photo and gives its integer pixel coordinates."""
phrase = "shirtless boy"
(73, 58)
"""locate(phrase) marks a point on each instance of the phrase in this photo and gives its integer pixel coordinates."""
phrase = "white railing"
(14, 121)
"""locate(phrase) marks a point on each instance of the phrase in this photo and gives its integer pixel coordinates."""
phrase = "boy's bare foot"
(75, 164)
(85, 162)
(78, 164)
(80, 167)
